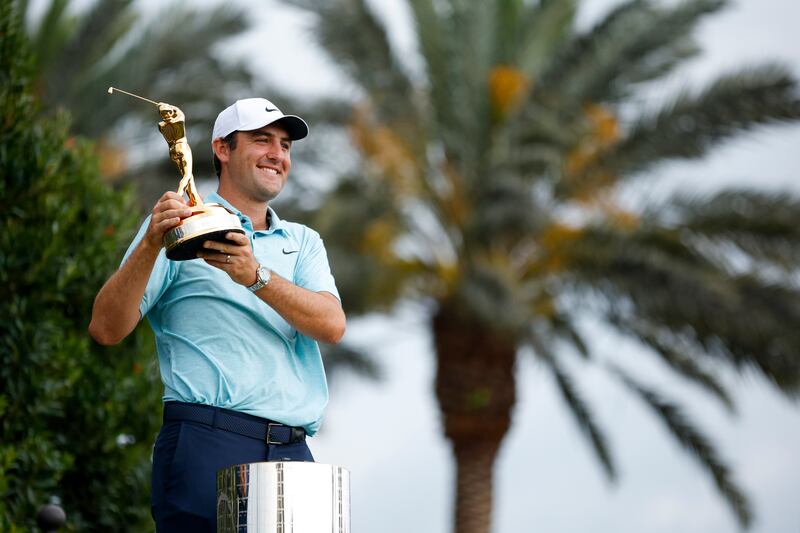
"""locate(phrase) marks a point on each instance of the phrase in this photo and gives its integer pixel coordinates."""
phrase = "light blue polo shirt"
(219, 344)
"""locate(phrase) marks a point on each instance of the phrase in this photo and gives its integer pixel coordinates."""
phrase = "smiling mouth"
(270, 170)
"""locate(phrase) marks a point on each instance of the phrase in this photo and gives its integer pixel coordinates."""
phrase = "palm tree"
(488, 184)
(177, 55)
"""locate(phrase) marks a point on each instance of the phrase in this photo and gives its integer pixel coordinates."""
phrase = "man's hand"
(116, 307)
(167, 213)
(316, 314)
(236, 258)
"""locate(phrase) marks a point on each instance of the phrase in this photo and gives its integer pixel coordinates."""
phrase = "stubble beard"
(268, 193)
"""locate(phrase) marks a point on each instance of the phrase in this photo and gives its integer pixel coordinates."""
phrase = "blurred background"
(565, 233)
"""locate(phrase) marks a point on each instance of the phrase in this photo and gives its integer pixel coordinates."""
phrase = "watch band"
(263, 275)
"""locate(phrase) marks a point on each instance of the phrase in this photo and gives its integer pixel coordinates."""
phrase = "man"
(237, 330)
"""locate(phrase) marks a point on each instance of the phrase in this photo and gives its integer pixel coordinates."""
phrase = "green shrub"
(78, 419)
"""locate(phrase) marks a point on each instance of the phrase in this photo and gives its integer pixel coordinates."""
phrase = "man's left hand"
(234, 257)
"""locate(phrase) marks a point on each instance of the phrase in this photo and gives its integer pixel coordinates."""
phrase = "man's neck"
(256, 211)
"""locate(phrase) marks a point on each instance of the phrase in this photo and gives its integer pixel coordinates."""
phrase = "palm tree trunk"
(476, 392)
(474, 485)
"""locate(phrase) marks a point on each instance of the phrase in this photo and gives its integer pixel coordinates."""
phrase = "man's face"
(259, 165)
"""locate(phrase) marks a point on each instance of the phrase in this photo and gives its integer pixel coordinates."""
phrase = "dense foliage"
(78, 419)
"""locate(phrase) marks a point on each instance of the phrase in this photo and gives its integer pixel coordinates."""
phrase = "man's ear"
(221, 150)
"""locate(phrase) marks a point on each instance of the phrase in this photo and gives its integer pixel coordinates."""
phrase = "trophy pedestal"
(208, 222)
(279, 497)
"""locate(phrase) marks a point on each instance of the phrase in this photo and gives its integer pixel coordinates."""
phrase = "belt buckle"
(269, 429)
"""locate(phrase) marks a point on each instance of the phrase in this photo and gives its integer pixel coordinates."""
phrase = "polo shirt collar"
(276, 224)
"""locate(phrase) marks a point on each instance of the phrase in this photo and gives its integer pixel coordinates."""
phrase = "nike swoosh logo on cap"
(287, 252)
(268, 110)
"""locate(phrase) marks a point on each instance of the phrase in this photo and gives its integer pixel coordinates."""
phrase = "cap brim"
(295, 126)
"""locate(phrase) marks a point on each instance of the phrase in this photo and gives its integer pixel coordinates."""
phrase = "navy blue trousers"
(186, 458)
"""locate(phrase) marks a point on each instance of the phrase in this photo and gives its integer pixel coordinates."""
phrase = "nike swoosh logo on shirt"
(287, 252)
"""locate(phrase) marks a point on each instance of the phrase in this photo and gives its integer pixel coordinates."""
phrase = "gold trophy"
(208, 222)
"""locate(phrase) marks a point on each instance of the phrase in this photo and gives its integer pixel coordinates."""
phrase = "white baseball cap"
(253, 113)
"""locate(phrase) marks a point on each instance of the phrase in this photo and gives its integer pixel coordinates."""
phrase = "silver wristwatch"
(262, 278)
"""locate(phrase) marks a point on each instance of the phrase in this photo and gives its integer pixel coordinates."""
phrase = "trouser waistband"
(247, 425)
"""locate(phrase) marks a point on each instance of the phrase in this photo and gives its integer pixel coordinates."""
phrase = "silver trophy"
(283, 497)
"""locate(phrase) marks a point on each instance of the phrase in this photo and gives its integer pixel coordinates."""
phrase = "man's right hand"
(168, 212)
(116, 307)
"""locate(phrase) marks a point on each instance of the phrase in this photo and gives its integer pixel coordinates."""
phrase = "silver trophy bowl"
(283, 497)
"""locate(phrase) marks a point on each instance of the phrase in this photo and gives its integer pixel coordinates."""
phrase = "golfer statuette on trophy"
(208, 222)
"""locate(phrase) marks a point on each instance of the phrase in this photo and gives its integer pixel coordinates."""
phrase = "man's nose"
(274, 152)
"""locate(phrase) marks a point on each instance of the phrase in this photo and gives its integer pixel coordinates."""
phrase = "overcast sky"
(547, 480)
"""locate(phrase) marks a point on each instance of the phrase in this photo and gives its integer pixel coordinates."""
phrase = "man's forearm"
(316, 314)
(116, 308)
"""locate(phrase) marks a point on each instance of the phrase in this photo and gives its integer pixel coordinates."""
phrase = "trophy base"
(279, 497)
(209, 222)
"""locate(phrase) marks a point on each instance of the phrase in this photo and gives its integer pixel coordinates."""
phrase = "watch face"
(262, 278)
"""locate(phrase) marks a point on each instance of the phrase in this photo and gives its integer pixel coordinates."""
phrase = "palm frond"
(95, 36)
(763, 225)
(677, 355)
(562, 327)
(168, 66)
(340, 358)
(687, 434)
(361, 225)
(689, 126)
(638, 41)
(503, 215)
(52, 32)
(357, 41)
(431, 35)
(161, 63)
(578, 407)
(544, 26)
(653, 275)
(455, 41)
(328, 111)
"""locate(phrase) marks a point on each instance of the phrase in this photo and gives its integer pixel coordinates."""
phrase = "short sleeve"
(313, 271)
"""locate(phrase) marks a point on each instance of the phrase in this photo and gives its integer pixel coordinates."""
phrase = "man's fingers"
(172, 195)
(211, 254)
(167, 224)
(166, 214)
(220, 261)
(171, 213)
(167, 205)
(238, 238)
(235, 247)
(216, 264)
